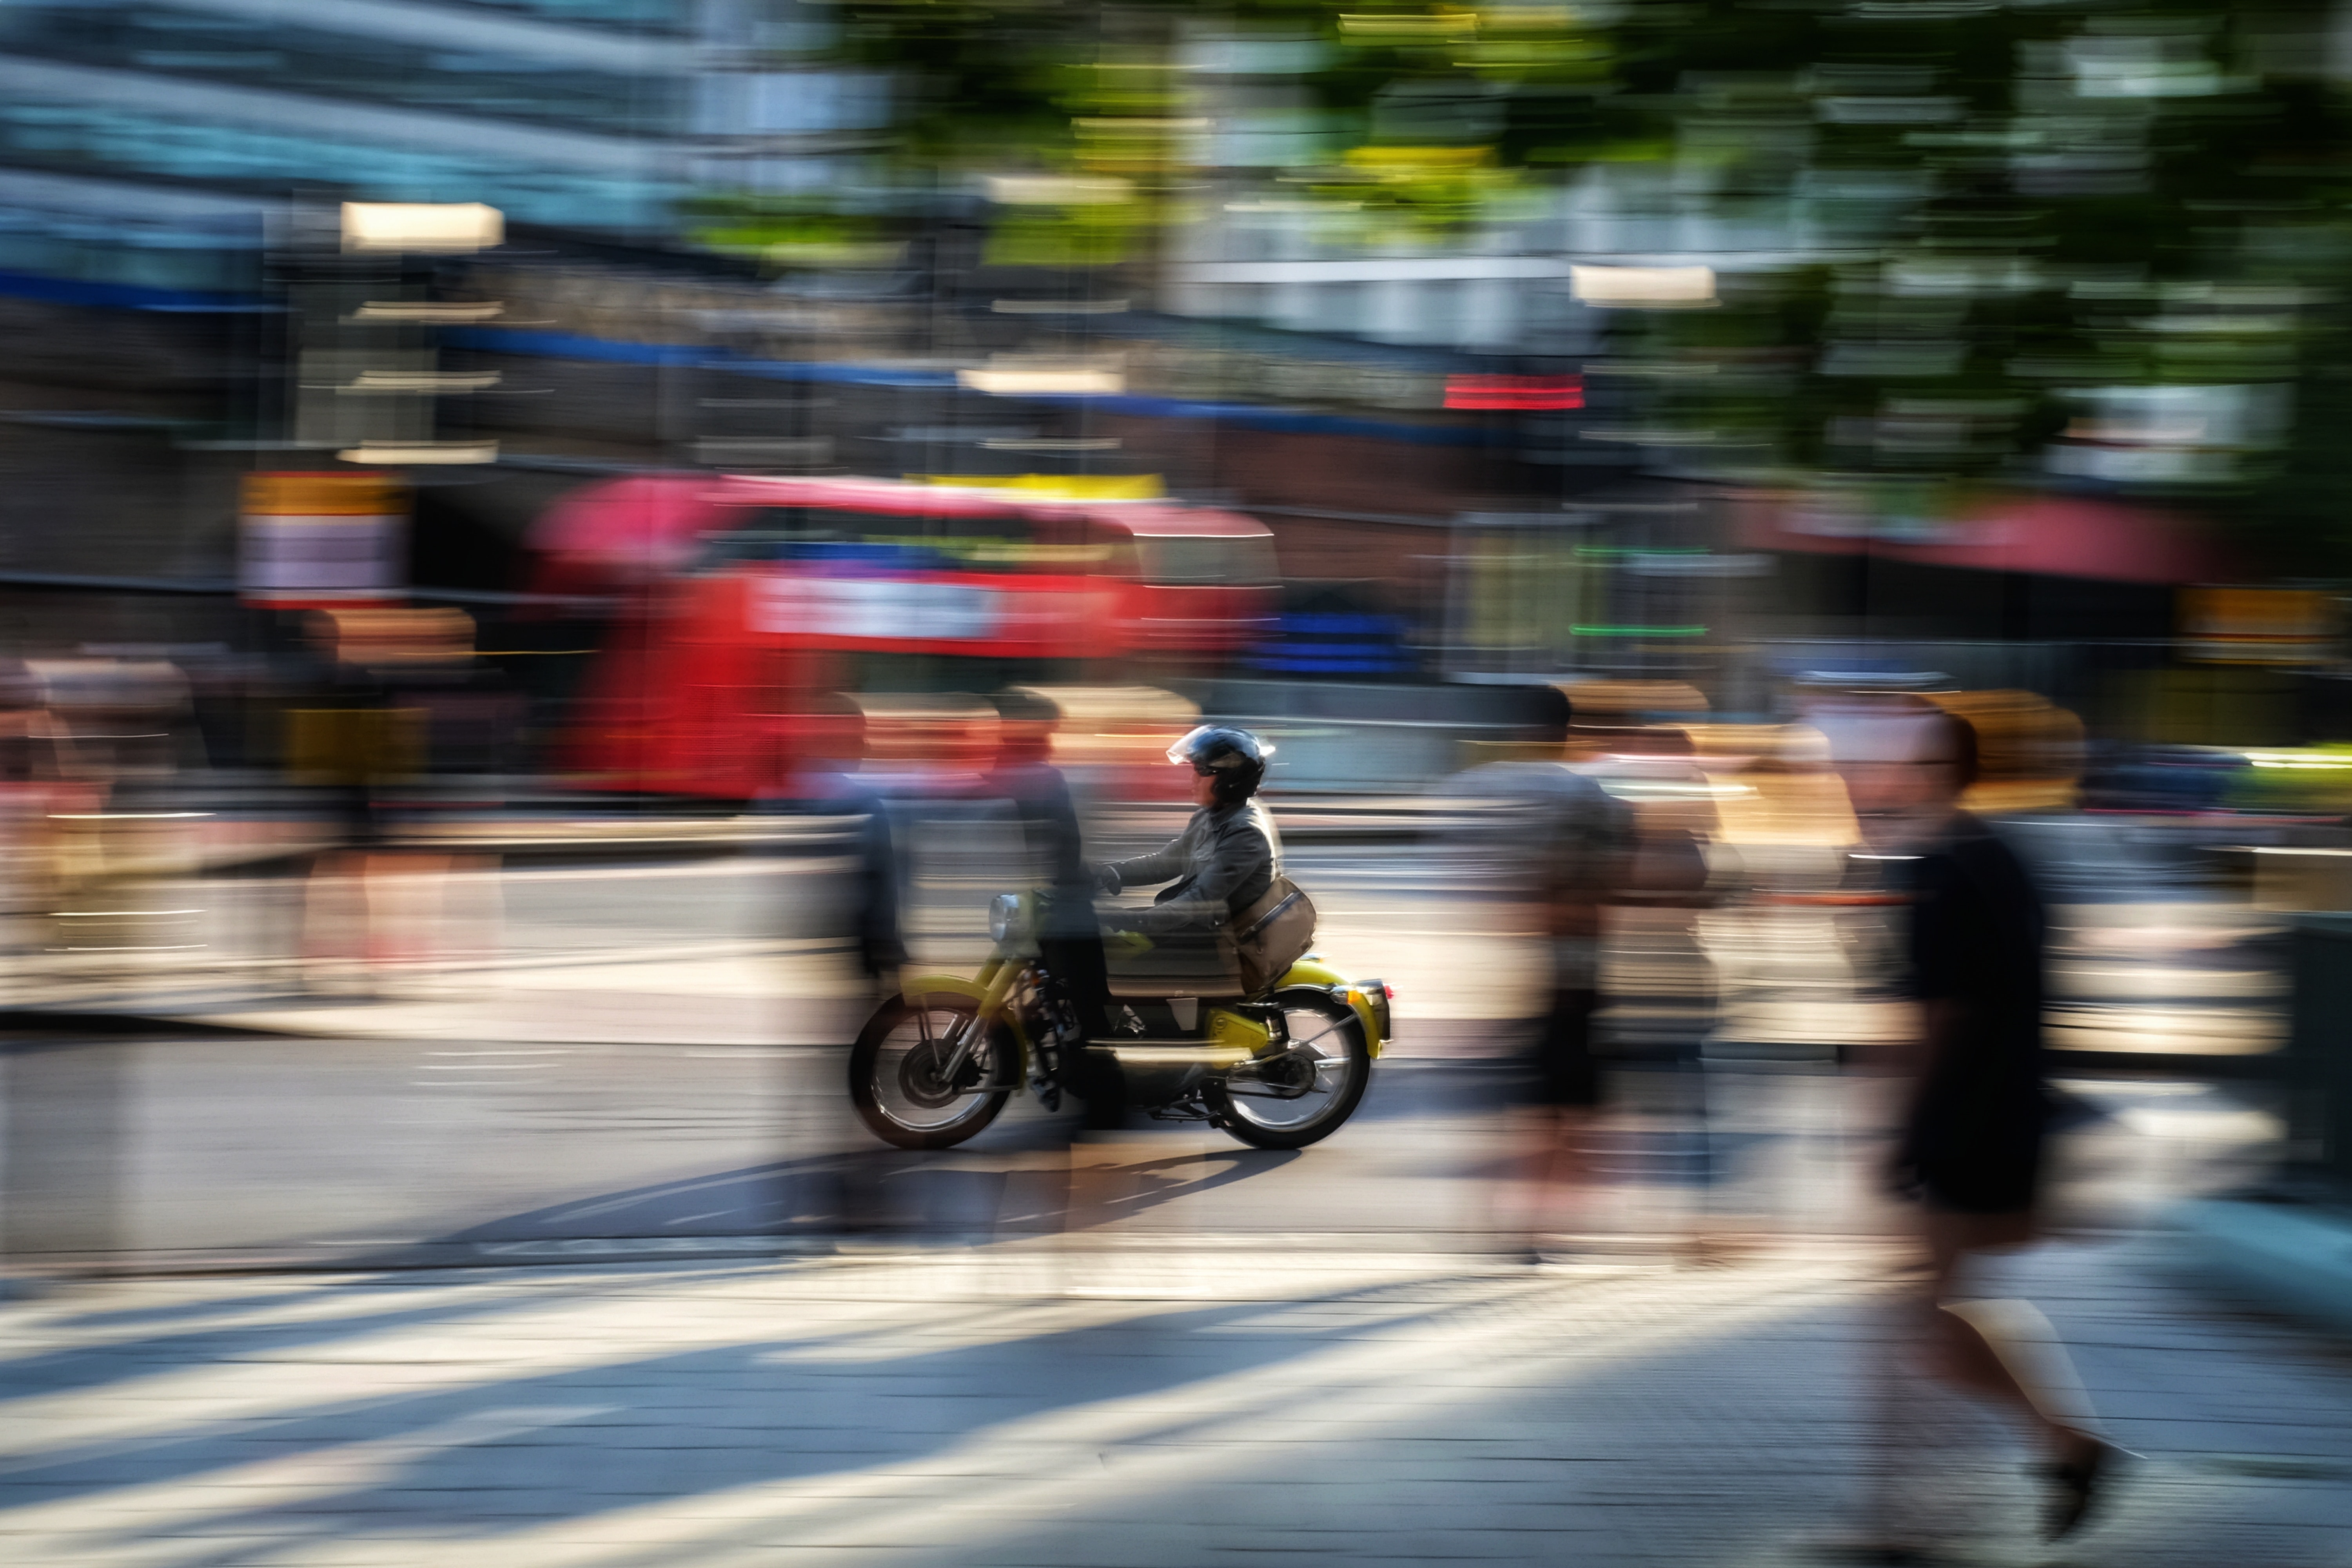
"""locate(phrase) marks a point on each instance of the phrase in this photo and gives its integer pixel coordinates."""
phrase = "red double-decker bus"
(763, 598)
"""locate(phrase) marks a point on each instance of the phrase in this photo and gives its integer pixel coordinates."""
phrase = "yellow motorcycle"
(1280, 1064)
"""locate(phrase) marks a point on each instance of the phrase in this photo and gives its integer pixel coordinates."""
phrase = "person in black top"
(1971, 1144)
(1969, 1152)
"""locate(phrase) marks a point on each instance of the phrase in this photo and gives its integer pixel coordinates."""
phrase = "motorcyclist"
(1227, 856)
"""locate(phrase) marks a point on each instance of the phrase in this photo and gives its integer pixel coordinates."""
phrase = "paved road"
(207, 1150)
(1155, 1348)
(1168, 1407)
(627, 1056)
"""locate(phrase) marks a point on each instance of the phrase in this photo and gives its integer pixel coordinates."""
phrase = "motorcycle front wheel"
(898, 1073)
(1302, 1095)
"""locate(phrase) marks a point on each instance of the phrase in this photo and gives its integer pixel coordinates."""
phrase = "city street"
(1144, 1404)
(639, 1054)
(632, 1060)
(560, 1246)
(1697, 657)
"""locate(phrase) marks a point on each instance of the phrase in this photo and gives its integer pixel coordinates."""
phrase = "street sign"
(322, 541)
(2258, 626)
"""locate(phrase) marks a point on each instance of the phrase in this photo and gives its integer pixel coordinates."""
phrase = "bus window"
(1102, 551)
(824, 525)
(1208, 560)
(995, 543)
(872, 670)
(769, 533)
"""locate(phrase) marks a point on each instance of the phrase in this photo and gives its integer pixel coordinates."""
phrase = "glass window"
(243, 50)
(74, 136)
(1207, 560)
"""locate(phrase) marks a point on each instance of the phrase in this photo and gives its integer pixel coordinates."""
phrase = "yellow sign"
(1057, 487)
(2258, 626)
(323, 494)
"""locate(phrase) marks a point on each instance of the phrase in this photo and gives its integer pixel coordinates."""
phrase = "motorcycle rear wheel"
(894, 1079)
(1337, 1064)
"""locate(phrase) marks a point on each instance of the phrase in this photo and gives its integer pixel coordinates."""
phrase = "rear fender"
(1312, 973)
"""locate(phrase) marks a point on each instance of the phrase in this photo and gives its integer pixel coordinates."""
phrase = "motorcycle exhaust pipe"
(1160, 1072)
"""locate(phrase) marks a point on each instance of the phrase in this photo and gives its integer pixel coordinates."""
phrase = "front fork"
(995, 981)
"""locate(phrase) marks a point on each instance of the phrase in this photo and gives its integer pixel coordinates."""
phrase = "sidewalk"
(520, 961)
(1155, 1406)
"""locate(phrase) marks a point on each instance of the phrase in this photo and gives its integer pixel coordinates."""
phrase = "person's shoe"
(2077, 1486)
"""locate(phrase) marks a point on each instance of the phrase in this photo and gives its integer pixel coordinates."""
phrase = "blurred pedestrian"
(350, 740)
(827, 779)
(1069, 939)
(834, 1172)
(1969, 1152)
(1552, 848)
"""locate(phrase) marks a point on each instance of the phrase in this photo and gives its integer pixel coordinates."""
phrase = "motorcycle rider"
(1227, 856)
(1223, 862)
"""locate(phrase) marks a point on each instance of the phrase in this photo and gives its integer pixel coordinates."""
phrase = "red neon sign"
(1513, 391)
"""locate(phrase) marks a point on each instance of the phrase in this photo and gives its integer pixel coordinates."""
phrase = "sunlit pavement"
(1158, 1348)
(1041, 1403)
(646, 1059)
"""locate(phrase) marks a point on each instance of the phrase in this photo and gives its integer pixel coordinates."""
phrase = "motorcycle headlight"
(1003, 916)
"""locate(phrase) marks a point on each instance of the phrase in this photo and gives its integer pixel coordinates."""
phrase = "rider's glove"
(1106, 878)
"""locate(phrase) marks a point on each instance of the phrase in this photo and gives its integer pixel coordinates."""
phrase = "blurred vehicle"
(2300, 781)
(2161, 778)
(1280, 1064)
(753, 597)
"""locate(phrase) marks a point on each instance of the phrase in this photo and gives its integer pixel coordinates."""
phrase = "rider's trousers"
(1077, 963)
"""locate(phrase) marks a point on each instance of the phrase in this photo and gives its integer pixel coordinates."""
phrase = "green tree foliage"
(2081, 242)
(2069, 243)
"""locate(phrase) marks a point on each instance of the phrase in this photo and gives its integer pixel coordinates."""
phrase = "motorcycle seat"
(1203, 965)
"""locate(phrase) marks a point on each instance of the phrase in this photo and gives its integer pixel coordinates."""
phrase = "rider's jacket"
(1223, 862)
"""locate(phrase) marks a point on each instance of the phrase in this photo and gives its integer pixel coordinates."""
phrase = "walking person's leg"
(1562, 1122)
(2001, 1351)
(2005, 1351)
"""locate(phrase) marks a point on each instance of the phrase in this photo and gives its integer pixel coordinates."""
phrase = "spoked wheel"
(1302, 1095)
(899, 1078)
